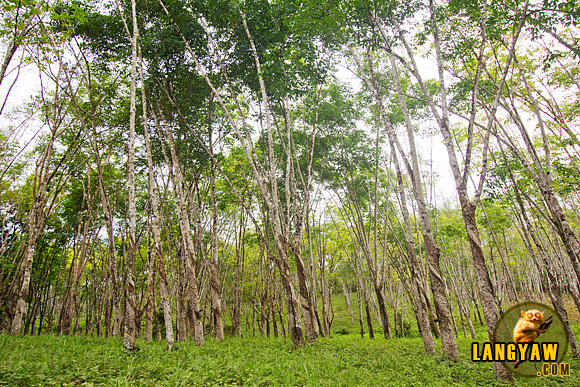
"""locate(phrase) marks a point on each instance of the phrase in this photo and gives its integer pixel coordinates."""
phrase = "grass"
(341, 360)
(338, 361)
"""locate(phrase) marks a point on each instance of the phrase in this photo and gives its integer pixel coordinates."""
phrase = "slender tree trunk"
(486, 291)
(35, 227)
(360, 296)
(150, 303)
(181, 299)
(78, 263)
(130, 306)
(422, 318)
(193, 298)
(212, 261)
(449, 345)
(270, 196)
(325, 294)
(368, 313)
(550, 283)
(238, 279)
(12, 47)
(157, 261)
(348, 299)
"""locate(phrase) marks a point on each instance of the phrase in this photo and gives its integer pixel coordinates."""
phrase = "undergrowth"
(337, 361)
(344, 359)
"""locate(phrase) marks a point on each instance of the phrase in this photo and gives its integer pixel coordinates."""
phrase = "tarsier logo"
(530, 339)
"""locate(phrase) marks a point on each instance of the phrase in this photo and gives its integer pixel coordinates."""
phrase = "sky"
(429, 147)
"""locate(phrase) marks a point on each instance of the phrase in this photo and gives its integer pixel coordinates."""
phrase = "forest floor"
(344, 359)
(338, 361)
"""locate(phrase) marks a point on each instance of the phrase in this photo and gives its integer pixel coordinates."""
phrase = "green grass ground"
(338, 361)
(342, 360)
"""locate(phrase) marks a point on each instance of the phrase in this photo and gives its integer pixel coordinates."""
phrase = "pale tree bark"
(348, 298)
(468, 207)
(550, 283)
(361, 293)
(10, 51)
(247, 208)
(280, 229)
(43, 199)
(415, 288)
(150, 298)
(490, 308)
(130, 306)
(286, 242)
(87, 118)
(35, 226)
(270, 195)
(181, 297)
(304, 262)
(541, 172)
(78, 262)
(355, 261)
(351, 211)
(108, 213)
(422, 308)
(326, 285)
(326, 291)
(212, 261)
(421, 313)
(441, 303)
(432, 249)
(159, 260)
(189, 253)
(280, 223)
(25, 23)
(239, 277)
(462, 298)
(437, 285)
(111, 253)
(377, 280)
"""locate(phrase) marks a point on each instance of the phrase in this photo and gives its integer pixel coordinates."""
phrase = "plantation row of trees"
(201, 158)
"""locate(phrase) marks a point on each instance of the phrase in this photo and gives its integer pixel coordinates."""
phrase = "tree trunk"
(239, 279)
(212, 261)
(422, 319)
(348, 299)
(36, 222)
(130, 307)
(78, 263)
(150, 303)
(449, 345)
(550, 284)
(158, 260)
(193, 299)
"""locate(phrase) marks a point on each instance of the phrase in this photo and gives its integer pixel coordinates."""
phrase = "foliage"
(338, 361)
